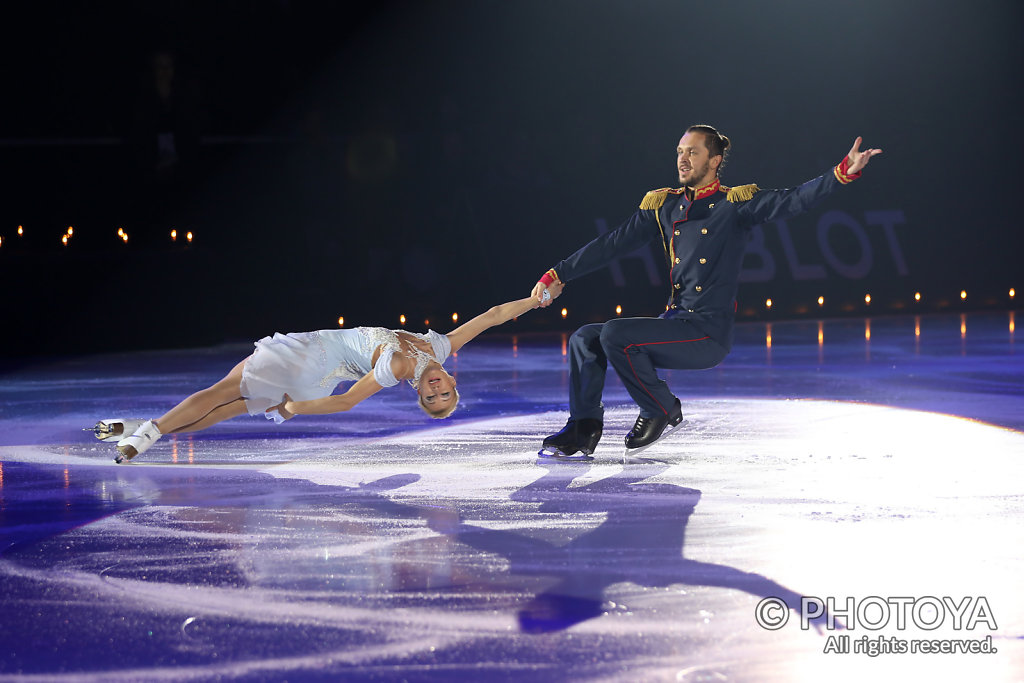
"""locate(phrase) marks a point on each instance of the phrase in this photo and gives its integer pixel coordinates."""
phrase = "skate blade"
(125, 453)
(107, 430)
(668, 430)
(578, 456)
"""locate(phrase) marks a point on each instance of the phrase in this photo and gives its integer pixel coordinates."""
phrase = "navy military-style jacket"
(704, 239)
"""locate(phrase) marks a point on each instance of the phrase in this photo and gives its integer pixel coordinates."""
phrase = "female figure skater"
(295, 374)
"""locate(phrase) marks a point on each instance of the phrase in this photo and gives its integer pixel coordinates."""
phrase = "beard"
(698, 175)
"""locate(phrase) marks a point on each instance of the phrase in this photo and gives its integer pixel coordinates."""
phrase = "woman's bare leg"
(207, 406)
(218, 414)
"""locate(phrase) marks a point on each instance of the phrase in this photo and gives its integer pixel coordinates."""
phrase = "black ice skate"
(647, 430)
(577, 440)
(114, 429)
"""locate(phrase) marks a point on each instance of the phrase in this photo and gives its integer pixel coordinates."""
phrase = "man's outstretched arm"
(771, 205)
(638, 230)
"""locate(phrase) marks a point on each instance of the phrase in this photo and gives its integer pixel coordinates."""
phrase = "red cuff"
(842, 174)
(547, 278)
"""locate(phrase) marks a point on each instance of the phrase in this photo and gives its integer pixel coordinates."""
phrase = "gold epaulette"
(654, 199)
(741, 193)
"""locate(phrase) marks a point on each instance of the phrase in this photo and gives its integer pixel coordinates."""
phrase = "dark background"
(372, 159)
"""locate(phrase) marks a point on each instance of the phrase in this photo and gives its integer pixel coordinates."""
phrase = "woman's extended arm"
(497, 315)
(367, 386)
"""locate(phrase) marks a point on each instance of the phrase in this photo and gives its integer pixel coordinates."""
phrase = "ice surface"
(384, 546)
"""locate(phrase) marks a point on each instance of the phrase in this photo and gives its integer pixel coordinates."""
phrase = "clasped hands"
(554, 289)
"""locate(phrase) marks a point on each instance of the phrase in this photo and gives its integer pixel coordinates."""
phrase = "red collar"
(707, 190)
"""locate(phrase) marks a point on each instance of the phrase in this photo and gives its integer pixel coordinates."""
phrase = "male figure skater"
(704, 227)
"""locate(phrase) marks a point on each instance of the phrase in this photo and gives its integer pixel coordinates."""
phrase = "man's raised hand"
(859, 159)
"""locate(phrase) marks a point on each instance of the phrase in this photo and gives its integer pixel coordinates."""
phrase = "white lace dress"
(309, 365)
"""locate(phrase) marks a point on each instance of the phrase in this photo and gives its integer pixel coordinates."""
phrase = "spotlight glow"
(867, 299)
(341, 321)
(768, 303)
(917, 296)
(963, 294)
(21, 230)
(174, 235)
(455, 317)
(188, 235)
(401, 319)
(565, 312)
(618, 310)
(821, 301)
(1013, 292)
(71, 230)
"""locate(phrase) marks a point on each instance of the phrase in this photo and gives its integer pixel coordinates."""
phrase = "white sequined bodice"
(388, 339)
(372, 338)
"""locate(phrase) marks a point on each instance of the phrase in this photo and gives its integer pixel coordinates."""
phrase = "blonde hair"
(443, 412)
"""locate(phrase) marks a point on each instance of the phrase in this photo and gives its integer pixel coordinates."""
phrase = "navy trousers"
(635, 347)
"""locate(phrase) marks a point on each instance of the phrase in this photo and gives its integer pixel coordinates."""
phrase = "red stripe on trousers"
(626, 350)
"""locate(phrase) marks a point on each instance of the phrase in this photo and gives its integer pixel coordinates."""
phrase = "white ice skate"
(138, 442)
(114, 429)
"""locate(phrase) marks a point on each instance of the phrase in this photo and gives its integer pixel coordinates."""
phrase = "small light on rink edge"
(455, 317)
(867, 299)
(188, 235)
(64, 240)
(1013, 292)
(768, 303)
(565, 312)
(618, 310)
(71, 231)
(821, 301)
(917, 296)
(21, 230)
(963, 293)
(174, 235)
(341, 321)
(401, 319)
